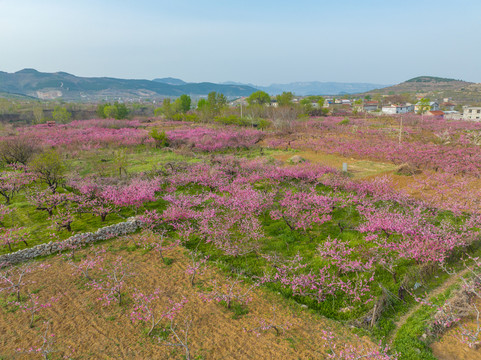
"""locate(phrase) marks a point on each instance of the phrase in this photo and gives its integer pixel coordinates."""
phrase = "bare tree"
(284, 117)
(19, 149)
(180, 337)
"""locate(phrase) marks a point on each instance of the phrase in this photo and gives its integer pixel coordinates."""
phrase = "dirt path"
(439, 290)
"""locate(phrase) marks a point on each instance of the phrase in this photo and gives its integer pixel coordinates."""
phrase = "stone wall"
(127, 227)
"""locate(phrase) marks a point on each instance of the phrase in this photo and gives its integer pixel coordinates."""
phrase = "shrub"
(231, 120)
(178, 117)
(236, 120)
(191, 117)
(185, 117)
(160, 138)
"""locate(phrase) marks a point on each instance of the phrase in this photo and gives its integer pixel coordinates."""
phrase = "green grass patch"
(408, 341)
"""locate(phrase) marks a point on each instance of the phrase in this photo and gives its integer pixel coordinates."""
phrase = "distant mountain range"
(316, 88)
(173, 81)
(31, 82)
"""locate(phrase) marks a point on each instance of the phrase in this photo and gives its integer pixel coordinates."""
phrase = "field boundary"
(127, 227)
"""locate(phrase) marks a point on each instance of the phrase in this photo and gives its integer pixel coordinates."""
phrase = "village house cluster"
(444, 109)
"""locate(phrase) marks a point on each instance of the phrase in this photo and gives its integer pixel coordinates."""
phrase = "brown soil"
(451, 348)
(407, 169)
(84, 329)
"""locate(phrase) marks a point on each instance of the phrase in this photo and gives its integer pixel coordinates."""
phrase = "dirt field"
(358, 168)
(451, 348)
(84, 329)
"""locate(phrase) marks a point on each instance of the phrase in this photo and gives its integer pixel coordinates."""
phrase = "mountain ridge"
(304, 88)
(31, 82)
(426, 84)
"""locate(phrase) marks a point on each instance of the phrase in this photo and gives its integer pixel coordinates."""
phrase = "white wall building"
(397, 109)
(472, 113)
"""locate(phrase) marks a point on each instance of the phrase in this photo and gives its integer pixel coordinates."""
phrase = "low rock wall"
(124, 228)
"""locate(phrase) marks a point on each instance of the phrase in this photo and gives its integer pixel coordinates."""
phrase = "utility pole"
(401, 131)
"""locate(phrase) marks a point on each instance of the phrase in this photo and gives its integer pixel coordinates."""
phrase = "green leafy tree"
(168, 108)
(285, 99)
(122, 111)
(424, 105)
(116, 111)
(259, 98)
(202, 104)
(212, 106)
(110, 112)
(49, 168)
(203, 110)
(101, 110)
(61, 115)
(184, 102)
(216, 102)
(321, 101)
(306, 105)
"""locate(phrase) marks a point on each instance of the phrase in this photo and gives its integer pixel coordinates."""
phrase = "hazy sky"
(261, 41)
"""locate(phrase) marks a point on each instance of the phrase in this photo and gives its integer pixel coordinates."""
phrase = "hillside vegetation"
(459, 91)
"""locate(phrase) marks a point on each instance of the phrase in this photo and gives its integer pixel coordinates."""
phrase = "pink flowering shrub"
(12, 182)
(207, 139)
(113, 284)
(14, 279)
(103, 196)
(91, 134)
(12, 236)
(411, 235)
(295, 275)
(46, 348)
(33, 305)
(301, 210)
